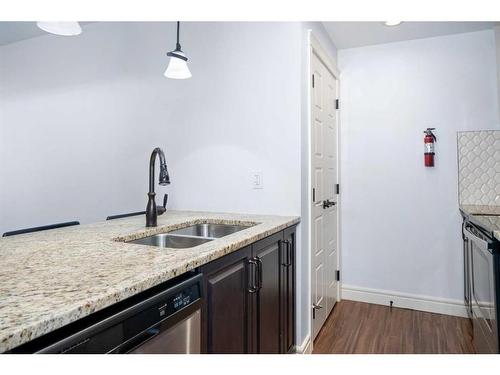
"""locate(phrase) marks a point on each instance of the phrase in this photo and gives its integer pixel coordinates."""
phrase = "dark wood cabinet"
(226, 311)
(267, 306)
(287, 291)
(250, 298)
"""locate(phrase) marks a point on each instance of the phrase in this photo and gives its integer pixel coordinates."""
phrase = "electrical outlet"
(257, 180)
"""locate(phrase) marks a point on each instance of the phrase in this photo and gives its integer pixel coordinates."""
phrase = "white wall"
(497, 43)
(82, 114)
(79, 117)
(400, 221)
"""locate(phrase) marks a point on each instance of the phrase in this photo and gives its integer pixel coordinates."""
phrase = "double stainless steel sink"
(190, 236)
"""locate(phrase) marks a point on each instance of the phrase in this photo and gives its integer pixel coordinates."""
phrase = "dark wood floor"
(356, 327)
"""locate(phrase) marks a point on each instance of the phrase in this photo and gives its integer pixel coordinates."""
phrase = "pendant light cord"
(178, 46)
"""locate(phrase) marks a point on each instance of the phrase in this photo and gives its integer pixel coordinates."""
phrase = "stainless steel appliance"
(168, 322)
(481, 268)
(467, 273)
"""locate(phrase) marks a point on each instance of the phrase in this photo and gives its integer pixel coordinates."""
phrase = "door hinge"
(337, 104)
(314, 195)
(313, 80)
(337, 275)
(337, 188)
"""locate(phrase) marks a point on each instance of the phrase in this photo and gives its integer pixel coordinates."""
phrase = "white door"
(324, 193)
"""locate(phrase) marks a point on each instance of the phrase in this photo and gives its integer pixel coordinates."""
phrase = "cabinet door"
(226, 312)
(267, 309)
(287, 281)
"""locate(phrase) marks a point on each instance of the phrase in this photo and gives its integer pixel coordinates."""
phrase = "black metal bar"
(41, 228)
(112, 217)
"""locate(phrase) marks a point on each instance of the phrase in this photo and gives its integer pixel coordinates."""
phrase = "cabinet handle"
(253, 287)
(259, 267)
(289, 253)
(288, 258)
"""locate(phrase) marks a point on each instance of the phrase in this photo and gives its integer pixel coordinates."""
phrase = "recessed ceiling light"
(392, 23)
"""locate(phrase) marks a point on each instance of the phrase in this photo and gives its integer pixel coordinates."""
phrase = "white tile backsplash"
(479, 167)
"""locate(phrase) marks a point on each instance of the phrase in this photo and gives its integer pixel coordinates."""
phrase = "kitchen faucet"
(152, 211)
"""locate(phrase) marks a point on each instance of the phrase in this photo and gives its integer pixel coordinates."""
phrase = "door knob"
(328, 203)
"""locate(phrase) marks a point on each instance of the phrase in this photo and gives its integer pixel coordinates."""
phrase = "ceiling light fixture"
(61, 28)
(177, 67)
(392, 23)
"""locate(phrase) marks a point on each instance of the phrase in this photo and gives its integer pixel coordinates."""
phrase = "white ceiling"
(357, 34)
(343, 34)
(11, 32)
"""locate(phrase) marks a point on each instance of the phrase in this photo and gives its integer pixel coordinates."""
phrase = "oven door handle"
(479, 242)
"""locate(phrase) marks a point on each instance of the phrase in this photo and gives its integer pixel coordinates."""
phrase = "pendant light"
(61, 28)
(177, 66)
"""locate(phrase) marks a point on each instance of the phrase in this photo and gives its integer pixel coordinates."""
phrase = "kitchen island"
(53, 278)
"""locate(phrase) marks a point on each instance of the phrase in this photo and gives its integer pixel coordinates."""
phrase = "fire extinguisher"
(429, 140)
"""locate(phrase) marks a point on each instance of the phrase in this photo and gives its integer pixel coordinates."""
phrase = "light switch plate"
(257, 180)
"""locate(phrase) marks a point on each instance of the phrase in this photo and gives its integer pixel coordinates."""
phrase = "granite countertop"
(485, 216)
(52, 278)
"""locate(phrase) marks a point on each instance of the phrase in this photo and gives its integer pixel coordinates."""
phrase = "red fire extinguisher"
(429, 140)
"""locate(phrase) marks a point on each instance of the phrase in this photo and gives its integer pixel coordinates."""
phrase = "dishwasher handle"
(137, 341)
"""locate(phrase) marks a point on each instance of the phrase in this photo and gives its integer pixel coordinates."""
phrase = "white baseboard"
(305, 347)
(407, 301)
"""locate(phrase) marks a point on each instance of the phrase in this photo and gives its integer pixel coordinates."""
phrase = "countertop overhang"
(53, 278)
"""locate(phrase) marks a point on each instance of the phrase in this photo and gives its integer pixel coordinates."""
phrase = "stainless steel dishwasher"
(168, 322)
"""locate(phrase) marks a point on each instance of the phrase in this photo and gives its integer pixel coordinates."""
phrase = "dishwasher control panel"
(179, 300)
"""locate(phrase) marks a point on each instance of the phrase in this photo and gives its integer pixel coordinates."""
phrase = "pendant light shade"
(177, 66)
(61, 28)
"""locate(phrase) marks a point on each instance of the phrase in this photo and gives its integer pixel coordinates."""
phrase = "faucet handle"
(161, 209)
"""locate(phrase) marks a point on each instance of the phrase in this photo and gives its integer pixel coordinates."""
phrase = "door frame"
(314, 47)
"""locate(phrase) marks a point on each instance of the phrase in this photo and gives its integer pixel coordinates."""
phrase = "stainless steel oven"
(467, 272)
(480, 287)
(169, 322)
